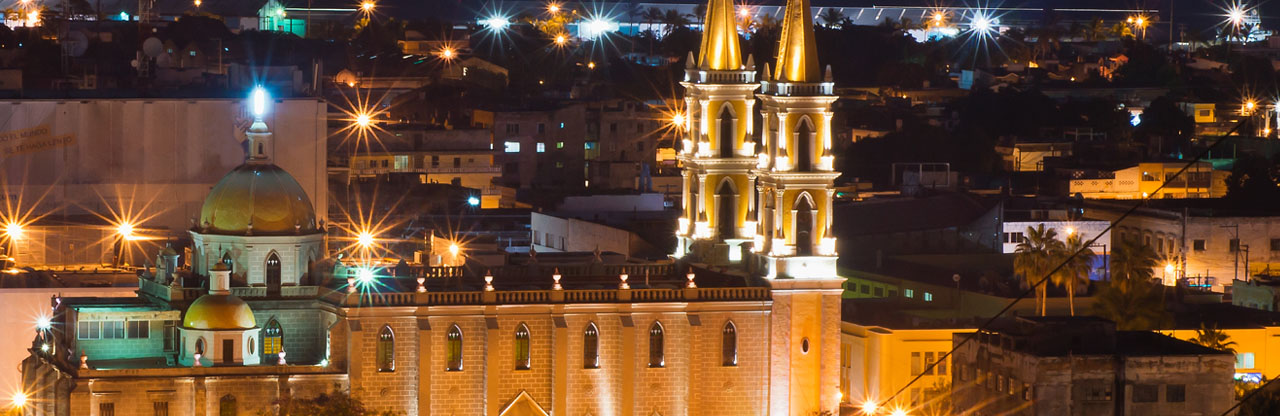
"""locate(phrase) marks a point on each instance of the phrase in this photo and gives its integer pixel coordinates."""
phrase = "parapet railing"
(526, 297)
(173, 293)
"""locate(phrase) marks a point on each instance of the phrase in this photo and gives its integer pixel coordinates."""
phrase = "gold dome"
(219, 312)
(257, 199)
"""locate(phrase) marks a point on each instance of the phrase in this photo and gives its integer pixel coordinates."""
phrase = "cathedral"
(744, 320)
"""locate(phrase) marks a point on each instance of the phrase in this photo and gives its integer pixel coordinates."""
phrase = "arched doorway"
(804, 225)
(804, 146)
(727, 211)
(726, 133)
(273, 275)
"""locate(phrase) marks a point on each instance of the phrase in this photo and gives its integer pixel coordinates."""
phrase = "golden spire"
(720, 38)
(797, 50)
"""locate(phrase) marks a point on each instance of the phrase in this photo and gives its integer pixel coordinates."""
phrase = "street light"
(553, 8)
(561, 40)
(44, 323)
(367, 6)
(125, 230)
(19, 399)
(365, 239)
(13, 230)
(899, 412)
(454, 249)
(362, 120)
(869, 407)
(447, 53)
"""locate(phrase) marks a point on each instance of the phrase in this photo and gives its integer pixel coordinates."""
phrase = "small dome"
(219, 312)
(257, 199)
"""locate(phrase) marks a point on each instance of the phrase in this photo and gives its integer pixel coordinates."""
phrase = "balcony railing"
(537, 297)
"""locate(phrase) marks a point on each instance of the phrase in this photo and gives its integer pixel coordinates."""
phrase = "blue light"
(1136, 119)
(496, 22)
(473, 201)
(124, 16)
(258, 101)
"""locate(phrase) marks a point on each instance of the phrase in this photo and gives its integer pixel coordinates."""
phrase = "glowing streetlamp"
(365, 275)
(899, 412)
(365, 239)
(19, 399)
(447, 53)
(744, 12)
(367, 6)
(869, 407)
(125, 230)
(553, 8)
(454, 249)
(363, 120)
(939, 17)
(197, 3)
(982, 23)
(258, 102)
(1070, 231)
(496, 22)
(561, 40)
(13, 230)
(678, 121)
(1248, 107)
(591, 65)
(44, 323)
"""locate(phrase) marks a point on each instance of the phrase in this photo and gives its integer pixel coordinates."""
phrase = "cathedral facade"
(744, 320)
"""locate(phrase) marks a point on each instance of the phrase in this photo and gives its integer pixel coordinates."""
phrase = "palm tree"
(651, 16)
(674, 19)
(700, 13)
(832, 17)
(1096, 30)
(1133, 262)
(1077, 262)
(1034, 255)
(1212, 337)
(1136, 307)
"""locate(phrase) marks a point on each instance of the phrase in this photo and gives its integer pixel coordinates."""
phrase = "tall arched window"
(729, 345)
(804, 225)
(454, 350)
(591, 347)
(727, 210)
(273, 275)
(726, 133)
(522, 347)
(227, 406)
(386, 349)
(656, 357)
(804, 146)
(272, 339)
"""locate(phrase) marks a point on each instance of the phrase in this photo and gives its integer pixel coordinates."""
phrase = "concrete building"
(1030, 157)
(543, 148)
(878, 360)
(1145, 180)
(95, 156)
(460, 157)
(1083, 366)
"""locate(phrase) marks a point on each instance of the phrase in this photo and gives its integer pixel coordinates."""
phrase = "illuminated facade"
(551, 333)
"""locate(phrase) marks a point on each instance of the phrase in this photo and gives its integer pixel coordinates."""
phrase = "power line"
(1031, 289)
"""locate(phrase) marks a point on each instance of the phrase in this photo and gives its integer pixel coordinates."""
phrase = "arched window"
(386, 349)
(522, 347)
(227, 406)
(454, 351)
(727, 211)
(804, 225)
(804, 146)
(272, 339)
(200, 346)
(729, 345)
(726, 133)
(273, 275)
(591, 347)
(656, 357)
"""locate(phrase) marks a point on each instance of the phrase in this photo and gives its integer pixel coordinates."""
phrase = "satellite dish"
(152, 47)
(75, 44)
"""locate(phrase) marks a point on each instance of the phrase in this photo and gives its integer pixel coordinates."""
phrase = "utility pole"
(1235, 250)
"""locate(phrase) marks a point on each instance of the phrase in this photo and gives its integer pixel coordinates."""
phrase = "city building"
(256, 320)
(1155, 180)
(459, 157)
(95, 156)
(878, 358)
(1084, 366)
(543, 148)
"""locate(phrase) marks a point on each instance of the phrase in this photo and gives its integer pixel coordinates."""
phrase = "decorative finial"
(624, 284)
(768, 73)
(84, 360)
(690, 62)
(488, 281)
(690, 276)
(281, 361)
(422, 287)
(751, 62)
(828, 77)
(197, 363)
(555, 278)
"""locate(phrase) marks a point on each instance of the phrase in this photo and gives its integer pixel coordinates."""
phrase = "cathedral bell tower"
(717, 150)
(794, 247)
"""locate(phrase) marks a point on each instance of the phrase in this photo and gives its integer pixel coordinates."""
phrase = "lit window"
(908, 293)
(729, 345)
(656, 357)
(1244, 360)
(559, 145)
(386, 349)
(542, 147)
(589, 145)
(272, 338)
(591, 347)
(928, 297)
(511, 147)
(454, 349)
(522, 347)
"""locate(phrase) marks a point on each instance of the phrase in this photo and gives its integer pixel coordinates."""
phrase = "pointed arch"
(272, 268)
(727, 208)
(804, 139)
(272, 339)
(227, 406)
(729, 344)
(591, 346)
(803, 220)
(386, 349)
(454, 349)
(727, 120)
(657, 357)
(522, 347)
